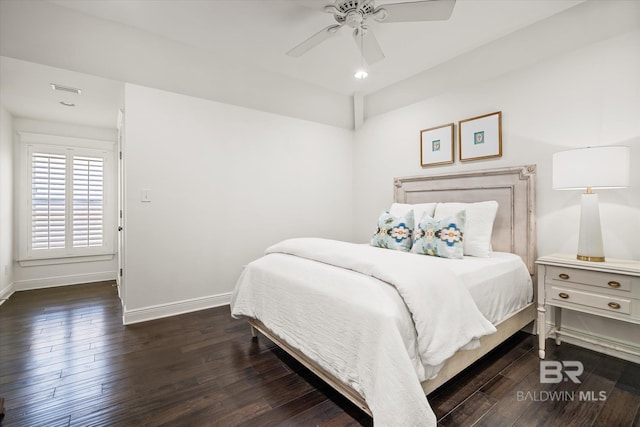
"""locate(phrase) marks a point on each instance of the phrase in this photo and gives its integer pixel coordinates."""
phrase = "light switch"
(145, 196)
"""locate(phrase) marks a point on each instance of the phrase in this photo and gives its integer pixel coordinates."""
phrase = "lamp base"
(590, 247)
(590, 258)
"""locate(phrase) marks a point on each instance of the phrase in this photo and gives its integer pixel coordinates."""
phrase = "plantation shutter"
(48, 203)
(88, 201)
(66, 200)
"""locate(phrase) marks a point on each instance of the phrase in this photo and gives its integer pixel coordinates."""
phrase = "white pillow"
(479, 225)
(419, 209)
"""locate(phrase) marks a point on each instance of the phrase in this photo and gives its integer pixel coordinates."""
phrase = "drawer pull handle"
(614, 284)
(563, 295)
(614, 305)
(563, 276)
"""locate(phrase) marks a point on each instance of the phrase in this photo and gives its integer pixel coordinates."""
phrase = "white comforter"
(332, 300)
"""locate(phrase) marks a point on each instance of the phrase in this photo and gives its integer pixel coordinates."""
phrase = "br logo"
(552, 371)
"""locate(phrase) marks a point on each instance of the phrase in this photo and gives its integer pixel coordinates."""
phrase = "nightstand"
(608, 289)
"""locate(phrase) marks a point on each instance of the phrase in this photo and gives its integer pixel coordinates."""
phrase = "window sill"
(65, 260)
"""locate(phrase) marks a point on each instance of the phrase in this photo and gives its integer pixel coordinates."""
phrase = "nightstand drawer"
(615, 282)
(603, 302)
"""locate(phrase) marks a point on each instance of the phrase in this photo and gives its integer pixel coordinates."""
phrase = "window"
(66, 210)
(48, 204)
(88, 202)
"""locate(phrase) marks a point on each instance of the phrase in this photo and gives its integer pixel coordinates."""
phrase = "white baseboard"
(76, 279)
(6, 293)
(174, 308)
(625, 355)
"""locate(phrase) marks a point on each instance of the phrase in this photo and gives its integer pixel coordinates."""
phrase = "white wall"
(6, 204)
(589, 96)
(62, 274)
(574, 28)
(225, 182)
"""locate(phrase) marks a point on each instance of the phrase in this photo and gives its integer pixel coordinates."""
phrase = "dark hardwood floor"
(66, 359)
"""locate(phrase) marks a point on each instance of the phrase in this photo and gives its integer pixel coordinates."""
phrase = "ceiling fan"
(355, 14)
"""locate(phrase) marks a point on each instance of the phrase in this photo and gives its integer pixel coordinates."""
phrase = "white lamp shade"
(591, 167)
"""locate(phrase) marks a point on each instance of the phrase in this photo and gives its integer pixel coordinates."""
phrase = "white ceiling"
(25, 90)
(237, 44)
(258, 33)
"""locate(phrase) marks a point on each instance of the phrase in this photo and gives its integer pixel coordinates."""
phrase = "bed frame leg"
(254, 334)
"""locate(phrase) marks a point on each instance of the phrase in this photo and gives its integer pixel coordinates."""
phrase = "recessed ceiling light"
(361, 74)
(67, 104)
(56, 86)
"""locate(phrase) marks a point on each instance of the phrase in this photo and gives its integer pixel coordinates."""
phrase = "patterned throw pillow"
(394, 232)
(442, 238)
(478, 224)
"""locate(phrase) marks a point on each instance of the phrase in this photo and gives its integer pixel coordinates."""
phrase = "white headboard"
(514, 189)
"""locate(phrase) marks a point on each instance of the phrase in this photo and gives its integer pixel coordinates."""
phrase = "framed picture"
(436, 145)
(480, 137)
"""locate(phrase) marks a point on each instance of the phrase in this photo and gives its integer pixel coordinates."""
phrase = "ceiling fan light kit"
(361, 74)
(355, 13)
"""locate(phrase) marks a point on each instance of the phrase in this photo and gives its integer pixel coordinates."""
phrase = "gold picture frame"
(437, 145)
(480, 137)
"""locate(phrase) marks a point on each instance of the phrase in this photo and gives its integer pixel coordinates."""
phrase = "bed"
(390, 377)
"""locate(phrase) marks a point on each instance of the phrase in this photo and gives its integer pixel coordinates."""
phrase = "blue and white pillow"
(442, 238)
(478, 225)
(394, 232)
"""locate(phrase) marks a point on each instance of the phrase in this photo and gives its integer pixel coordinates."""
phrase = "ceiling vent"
(55, 86)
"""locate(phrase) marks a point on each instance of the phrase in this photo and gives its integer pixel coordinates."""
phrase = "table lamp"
(588, 169)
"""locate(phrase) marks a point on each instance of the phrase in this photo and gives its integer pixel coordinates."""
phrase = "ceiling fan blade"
(427, 10)
(369, 46)
(314, 40)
